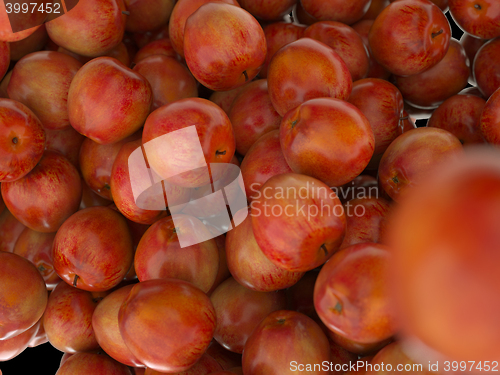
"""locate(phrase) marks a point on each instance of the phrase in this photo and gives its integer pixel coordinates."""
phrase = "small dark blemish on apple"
(395, 179)
(75, 280)
(107, 187)
(281, 321)
(15, 140)
(477, 6)
(324, 249)
(338, 307)
(126, 12)
(218, 153)
(294, 122)
(41, 268)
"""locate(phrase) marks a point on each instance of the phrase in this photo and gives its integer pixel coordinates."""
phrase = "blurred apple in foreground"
(445, 241)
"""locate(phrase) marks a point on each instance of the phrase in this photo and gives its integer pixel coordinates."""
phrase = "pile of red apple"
(366, 240)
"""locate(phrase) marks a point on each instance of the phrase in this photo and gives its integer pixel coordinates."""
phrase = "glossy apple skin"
(91, 29)
(486, 71)
(105, 326)
(460, 231)
(121, 189)
(167, 323)
(37, 248)
(223, 54)
(346, 42)
(460, 115)
(252, 114)
(336, 10)
(96, 162)
(214, 130)
(447, 78)
(44, 198)
(471, 45)
(303, 70)
(353, 303)
(481, 19)
(410, 156)
(239, 310)
(224, 99)
(68, 319)
(41, 81)
(282, 237)
(12, 347)
(159, 254)
(23, 140)
(23, 295)
(490, 119)
(262, 161)
(146, 15)
(10, 230)
(366, 220)
(181, 12)
(382, 104)
(34, 42)
(4, 58)
(308, 132)
(107, 101)
(375, 70)
(169, 79)
(23, 21)
(248, 264)
(409, 36)
(279, 34)
(156, 47)
(306, 343)
(92, 363)
(95, 245)
(224, 357)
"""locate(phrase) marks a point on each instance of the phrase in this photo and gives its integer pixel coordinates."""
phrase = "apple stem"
(217, 153)
(438, 33)
(246, 75)
(281, 321)
(75, 280)
(324, 249)
(14, 140)
(126, 12)
(292, 18)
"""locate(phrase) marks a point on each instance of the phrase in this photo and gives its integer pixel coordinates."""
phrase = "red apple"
(68, 319)
(92, 28)
(306, 345)
(37, 248)
(445, 258)
(226, 359)
(146, 15)
(23, 140)
(67, 141)
(278, 213)
(182, 162)
(44, 198)
(107, 101)
(346, 42)
(4, 58)
(12, 347)
(93, 249)
(471, 45)
(183, 9)
(170, 80)
(41, 81)
(410, 36)
(308, 132)
(224, 99)
(205, 365)
(248, 264)
(252, 114)
(92, 363)
(23, 295)
(156, 47)
(223, 55)
(160, 253)
(167, 324)
(21, 25)
(413, 154)
(303, 70)
(375, 8)
(479, 18)
(485, 69)
(105, 327)
(490, 119)
(336, 10)
(351, 294)
(268, 10)
(430, 88)
(460, 115)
